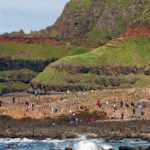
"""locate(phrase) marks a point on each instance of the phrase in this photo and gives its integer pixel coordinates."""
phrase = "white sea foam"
(8, 140)
(90, 144)
(86, 145)
(106, 146)
(25, 140)
(16, 140)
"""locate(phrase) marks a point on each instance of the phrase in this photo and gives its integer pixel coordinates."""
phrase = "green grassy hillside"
(38, 51)
(129, 52)
(133, 51)
(31, 52)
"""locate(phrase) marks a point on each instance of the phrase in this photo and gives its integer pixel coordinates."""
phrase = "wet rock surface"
(12, 146)
(134, 148)
(55, 128)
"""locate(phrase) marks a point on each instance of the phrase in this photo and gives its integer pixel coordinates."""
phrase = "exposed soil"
(116, 41)
(135, 32)
(89, 47)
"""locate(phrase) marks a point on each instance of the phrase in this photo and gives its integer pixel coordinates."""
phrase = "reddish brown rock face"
(43, 40)
(135, 32)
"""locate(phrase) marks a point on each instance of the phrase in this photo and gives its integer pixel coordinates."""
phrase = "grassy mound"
(127, 52)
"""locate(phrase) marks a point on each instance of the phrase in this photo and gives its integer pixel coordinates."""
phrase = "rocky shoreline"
(16, 120)
(60, 128)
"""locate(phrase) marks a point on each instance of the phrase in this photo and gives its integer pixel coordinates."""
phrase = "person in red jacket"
(144, 105)
(92, 120)
(82, 107)
(98, 102)
(69, 119)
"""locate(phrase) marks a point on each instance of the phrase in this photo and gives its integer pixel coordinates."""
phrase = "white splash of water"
(86, 145)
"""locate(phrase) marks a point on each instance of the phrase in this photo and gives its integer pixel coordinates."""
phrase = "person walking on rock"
(121, 104)
(32, 105)
(52, 109)
(13, 100)
(132, 104)
(56, 109)
(133, 110)
(139, 104)
(122, 115)
(76, 120)
(142, 112)
(70, 119)
(35, 93)
(106, 103)
(115, 107)
(112, 116)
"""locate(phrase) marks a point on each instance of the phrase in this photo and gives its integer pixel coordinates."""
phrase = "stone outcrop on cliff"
(82, 16)
(6, 63)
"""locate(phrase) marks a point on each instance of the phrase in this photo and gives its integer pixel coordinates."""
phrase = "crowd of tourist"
(72, 118)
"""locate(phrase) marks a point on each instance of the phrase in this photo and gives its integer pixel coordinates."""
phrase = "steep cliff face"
(109, 18)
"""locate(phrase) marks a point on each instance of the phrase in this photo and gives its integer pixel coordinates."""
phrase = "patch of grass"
(54, 33)
(144, 16)
(21, 71)
(54, 77)
(78, 4)
(115, 3)
(2, 85)
(16, 85)
(38, 51)
(19, 85)
(103, 36)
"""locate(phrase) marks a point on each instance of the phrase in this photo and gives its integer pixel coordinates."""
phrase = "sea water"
(79, 143)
